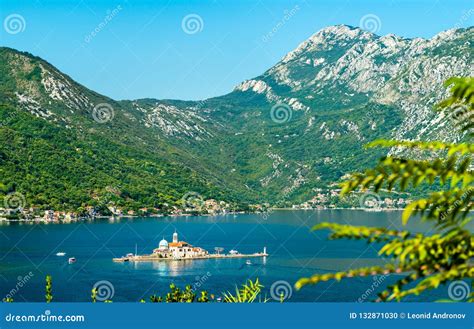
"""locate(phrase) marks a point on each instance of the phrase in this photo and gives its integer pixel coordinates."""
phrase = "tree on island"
(424, 260)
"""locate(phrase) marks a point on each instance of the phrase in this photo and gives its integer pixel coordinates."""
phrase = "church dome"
(163, 244)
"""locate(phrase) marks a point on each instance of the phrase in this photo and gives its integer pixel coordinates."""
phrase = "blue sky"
(138, 49)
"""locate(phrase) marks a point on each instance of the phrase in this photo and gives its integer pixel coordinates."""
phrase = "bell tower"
(175, 236)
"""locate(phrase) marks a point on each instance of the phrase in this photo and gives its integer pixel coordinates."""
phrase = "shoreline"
(341, 208)
(116, 217)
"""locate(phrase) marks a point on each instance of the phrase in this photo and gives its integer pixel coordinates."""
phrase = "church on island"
(178, 249)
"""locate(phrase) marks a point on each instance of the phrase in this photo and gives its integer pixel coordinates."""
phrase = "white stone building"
(178, 249)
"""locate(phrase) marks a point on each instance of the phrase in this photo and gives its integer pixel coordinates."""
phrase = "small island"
(181, 250)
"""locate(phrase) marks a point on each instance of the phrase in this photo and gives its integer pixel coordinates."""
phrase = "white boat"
(61, 254)
(233, 252)
(248, 262)
(71, 260)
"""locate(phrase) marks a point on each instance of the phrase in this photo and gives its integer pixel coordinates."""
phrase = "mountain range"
(276, 138)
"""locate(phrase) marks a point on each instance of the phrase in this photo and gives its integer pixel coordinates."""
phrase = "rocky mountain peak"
(327, 38)
(342, 31)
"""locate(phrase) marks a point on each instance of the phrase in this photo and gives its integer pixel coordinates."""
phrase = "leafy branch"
(425, 261)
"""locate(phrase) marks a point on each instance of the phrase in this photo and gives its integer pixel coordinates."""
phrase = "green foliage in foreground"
(49, 289)
(425, 260)
(176, 295)
(94, 295)
(461, 103)
(248, 293)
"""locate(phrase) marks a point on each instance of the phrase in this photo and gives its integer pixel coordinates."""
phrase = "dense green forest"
(54, 168)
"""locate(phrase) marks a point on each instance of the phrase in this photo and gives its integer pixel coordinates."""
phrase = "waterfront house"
(115, 211)
(68, 217)
(48, 215)
(211, 206)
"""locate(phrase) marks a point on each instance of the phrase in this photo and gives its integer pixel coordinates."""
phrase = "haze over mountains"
(301, 125)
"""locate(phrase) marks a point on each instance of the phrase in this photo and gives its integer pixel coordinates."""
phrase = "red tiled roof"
(179, 244)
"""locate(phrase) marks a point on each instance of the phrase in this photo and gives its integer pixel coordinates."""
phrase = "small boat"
(248, 262)
(233, 252)
(71, 260)
(130, 254)
(60, 254)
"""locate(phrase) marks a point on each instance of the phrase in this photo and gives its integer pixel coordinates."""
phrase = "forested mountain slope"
(299, 126)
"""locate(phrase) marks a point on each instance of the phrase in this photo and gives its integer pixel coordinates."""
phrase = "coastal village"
(330, 199)
(322, 199)
(207, 207)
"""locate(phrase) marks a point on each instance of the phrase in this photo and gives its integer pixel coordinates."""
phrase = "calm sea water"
(294, 251)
